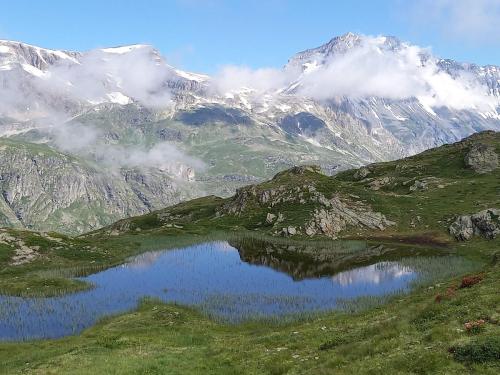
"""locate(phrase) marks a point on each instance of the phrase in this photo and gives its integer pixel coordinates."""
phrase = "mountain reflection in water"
(233, 281)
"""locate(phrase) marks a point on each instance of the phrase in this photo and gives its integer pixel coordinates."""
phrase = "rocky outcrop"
(362, 173)
(256, 196)
(22, 252)
(337, 215)
(379, 183)
(481, 158)
(485, 224)
(418, 185)
(329, 217)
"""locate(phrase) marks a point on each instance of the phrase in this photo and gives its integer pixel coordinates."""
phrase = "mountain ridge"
(174, 125)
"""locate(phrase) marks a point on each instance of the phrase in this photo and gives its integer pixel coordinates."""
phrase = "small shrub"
(469, 281)
(479, 351)
(475, 326)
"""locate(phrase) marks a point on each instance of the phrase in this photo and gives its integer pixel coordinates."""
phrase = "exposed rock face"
(337, 215)
(481, 158)
(329, 217)
(43, 189)
(485, 223)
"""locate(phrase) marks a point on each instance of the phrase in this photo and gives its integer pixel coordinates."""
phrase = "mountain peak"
(340, 45)
(127, 48)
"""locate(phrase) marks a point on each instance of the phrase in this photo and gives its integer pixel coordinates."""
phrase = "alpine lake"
(234, 281)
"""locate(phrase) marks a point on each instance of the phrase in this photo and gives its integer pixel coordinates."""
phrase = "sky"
(204, 35)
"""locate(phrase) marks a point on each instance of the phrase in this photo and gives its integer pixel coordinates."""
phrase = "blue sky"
(203, 35)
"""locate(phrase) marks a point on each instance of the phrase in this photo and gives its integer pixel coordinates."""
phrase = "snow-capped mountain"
(134, 123)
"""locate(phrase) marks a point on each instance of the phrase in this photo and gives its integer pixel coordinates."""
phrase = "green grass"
(411, 334)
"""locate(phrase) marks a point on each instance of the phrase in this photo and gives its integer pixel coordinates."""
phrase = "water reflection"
(310, 261)
(375, 274)
(234, 281)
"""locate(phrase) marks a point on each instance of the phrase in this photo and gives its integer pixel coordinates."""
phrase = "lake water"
(231, 281)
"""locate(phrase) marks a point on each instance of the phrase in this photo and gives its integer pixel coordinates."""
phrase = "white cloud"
(367, 71)
(370, 69)
(137, 73)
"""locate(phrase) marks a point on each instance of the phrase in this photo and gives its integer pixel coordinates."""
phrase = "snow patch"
(192, 76)
(424, 102)
(283, 107)
(32, 70)
(119, 98)
(123, 49)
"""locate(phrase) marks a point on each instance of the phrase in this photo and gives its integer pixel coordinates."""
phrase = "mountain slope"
(419, 196)
(44, 189)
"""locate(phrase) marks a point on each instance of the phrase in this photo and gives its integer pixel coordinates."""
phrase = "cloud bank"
(116, 73)
(372, 69)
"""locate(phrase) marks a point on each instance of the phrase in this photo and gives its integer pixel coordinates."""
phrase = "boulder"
(481, 158)
(378, 183)
(485, 224)
(361, 173)
(418, 185)
(288, 231)
(270, 218)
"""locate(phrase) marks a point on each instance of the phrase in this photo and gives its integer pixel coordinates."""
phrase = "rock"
(485, 224)
(462, 228)
(305, 168)
(418, 185)
(338, 215)
(310, 230)
(361, 173)
(270, 218)
(481, 158)
(288, 231)
(380, 182)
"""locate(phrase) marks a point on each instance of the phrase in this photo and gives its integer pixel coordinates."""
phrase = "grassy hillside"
(422, 195)
(449, 327)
